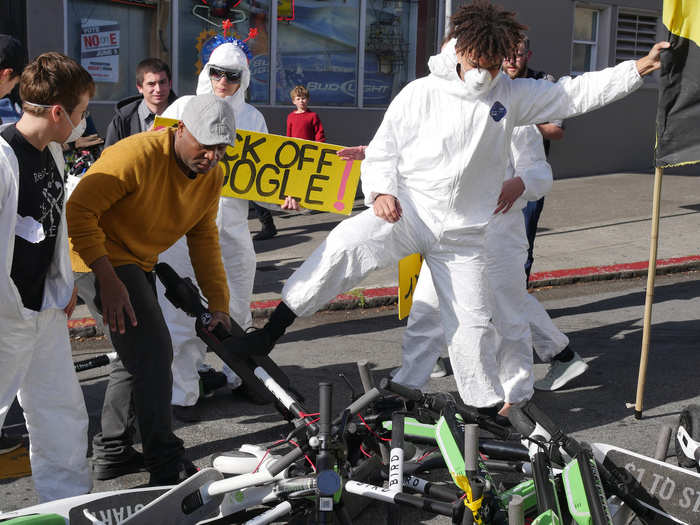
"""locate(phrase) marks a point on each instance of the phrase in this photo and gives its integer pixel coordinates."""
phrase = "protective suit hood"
(444, 66)
(230, 57)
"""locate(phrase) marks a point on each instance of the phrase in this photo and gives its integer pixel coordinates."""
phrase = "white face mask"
(477, 82)
(77, 130)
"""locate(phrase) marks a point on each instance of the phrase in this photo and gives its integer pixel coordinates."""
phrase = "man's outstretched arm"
(537, 101)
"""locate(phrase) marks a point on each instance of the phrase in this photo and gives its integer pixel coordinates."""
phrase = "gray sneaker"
(560, 373)
(440, 369)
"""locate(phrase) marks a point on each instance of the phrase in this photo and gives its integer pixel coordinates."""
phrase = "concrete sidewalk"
(592, 228)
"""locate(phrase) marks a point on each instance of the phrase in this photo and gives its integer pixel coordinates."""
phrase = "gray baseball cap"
(210, 120)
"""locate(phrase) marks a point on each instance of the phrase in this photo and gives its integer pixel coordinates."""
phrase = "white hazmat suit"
(506, 251)
(234, 238)
(35, 355)
(443, 154)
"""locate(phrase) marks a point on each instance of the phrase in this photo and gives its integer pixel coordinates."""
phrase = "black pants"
(263, 214)
(142, 380)
(532, 213)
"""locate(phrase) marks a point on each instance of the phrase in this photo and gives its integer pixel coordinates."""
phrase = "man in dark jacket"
(136, 114)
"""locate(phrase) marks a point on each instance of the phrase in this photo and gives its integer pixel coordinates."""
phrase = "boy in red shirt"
(302, 123)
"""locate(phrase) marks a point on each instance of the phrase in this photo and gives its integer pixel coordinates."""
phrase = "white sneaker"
(440, 369)
(560, 373)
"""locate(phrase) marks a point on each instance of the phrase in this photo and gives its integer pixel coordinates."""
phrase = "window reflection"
(318, 50)
(386, 50)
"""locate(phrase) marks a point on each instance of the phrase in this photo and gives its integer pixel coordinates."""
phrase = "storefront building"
(354, 56)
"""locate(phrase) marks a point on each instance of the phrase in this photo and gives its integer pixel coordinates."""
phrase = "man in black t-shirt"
(39, 204)
(37, 294)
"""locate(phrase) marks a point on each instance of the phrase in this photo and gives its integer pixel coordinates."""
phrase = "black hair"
(12, 54)
(486, 31)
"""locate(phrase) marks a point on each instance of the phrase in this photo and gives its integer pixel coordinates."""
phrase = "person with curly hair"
(432, 176)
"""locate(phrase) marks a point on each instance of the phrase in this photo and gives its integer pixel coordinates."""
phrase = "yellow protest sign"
(265, 167)
(409, 269)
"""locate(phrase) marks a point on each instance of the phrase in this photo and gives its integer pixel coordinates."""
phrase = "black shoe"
(262, 341)
(268, 232)
(104, 470)
(210, 381)
(184, 469)
(9, 443)
(189, 414)
(257, 342)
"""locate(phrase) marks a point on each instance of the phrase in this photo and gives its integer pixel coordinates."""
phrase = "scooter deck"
(109, 507)
(672, 492)
(182, 504)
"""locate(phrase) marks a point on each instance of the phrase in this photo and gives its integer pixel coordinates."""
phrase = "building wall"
(44, 26)
(619, 137)
(13, 17)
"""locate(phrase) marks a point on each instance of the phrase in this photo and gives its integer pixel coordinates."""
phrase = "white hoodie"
(448, 153)
(230, 57)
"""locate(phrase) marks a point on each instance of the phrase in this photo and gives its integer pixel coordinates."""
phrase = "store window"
(199, 21)
(111, 38)
(585, 42)
(389, 50)
(317, 48)
(328, 46)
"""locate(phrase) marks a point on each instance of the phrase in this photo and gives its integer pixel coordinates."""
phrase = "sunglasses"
(233, 77)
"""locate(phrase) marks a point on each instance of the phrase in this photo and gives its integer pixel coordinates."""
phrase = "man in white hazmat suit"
(506, 250)
(529, 177)
(226, 74)
(37, 293)
(433, 174)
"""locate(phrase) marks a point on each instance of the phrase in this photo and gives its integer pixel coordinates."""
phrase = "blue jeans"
(531, 213)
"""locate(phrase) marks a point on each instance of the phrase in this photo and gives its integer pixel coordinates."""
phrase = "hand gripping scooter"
(185, 295)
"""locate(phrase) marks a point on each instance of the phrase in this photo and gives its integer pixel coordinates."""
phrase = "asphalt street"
(602, 319)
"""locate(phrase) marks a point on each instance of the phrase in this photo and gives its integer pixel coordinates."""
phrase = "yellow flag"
(265, 167)
(409, 269)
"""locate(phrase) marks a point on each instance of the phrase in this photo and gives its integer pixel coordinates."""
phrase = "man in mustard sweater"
(141, 196)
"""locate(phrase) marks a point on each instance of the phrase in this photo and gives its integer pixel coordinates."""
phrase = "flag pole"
(651, 277)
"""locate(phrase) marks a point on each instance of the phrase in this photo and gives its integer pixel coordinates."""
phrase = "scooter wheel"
(690, 420)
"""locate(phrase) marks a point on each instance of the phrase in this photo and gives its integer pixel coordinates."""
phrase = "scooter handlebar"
(396, 388)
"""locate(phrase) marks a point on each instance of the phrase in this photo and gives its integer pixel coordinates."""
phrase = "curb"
(376, 297)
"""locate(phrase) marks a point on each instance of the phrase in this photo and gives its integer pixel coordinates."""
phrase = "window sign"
(109, 39)
(99, 49)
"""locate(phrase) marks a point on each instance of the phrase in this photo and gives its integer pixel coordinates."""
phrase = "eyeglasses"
(234, 77)
(515, 57)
